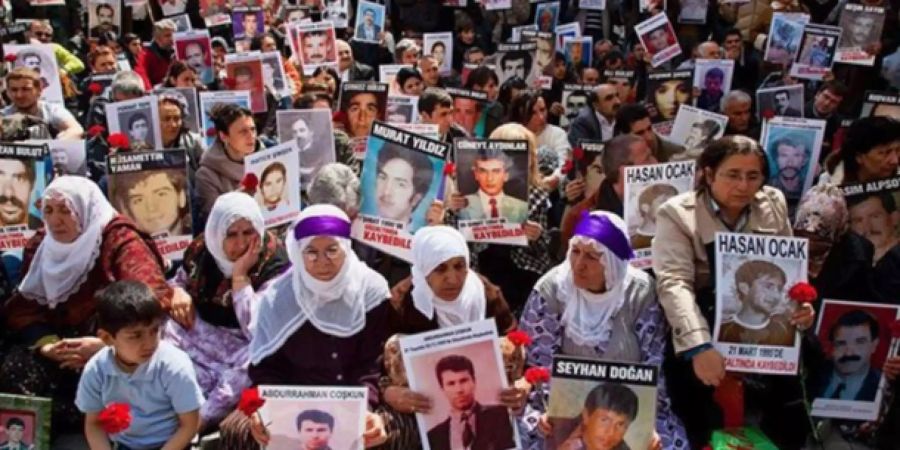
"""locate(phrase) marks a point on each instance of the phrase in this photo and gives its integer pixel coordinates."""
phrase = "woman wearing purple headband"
(596, 305)
(318, 324)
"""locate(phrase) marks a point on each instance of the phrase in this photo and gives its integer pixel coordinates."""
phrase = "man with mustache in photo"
(791, 157)
(317, 46)
(16, 183)
(853, 338)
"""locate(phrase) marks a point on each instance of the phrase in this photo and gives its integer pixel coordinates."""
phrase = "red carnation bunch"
(250, 400)
(118, 141)
(96, 130)
(249, 183)
(115, 418)
(449, 169)
(519, 338)
(567, 167)
(537, 375)
(95, 88)
(577, 153)
(895, 329)
(229, 82)
(803, 292)
(211, 132)
(768, 114)
(10, 57)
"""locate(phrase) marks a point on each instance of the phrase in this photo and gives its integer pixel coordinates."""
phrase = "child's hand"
(375, 434)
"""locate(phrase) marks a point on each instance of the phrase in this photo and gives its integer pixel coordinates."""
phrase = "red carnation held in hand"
(519, 337)
(95, 88)
(449, 169)
(229, 82)
(249, 183)
(10, 57)
(211, 132)
(803, 292)
(577, 153)
(250, 401)
(895, 329)
(115, 418)
(567, 167)
(96, 130)
(537, 375)
(118, 140)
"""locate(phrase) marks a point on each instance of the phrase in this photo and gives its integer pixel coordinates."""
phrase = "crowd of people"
(93, 312)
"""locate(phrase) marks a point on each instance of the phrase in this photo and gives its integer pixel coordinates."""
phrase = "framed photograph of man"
(24, 173)
(273, 73)
(874, 214)
(460, 368)
(578, 50)
(336, 11)
(440, 47)
(369, 21)
(210, 99)
(402, 175)
(24, 422)
(469, 111)
(712, 78)
(625, 82)
(364, 103)
(138, 119)
(246, 73)
(784, 101)
(182, 23)
(792, 146)
(589, 166)
(313, 133)
(165, 8)
(39, 57)
(515, 34)
(546, 16)
(67, 156)
(658, 38)
(563, 30)
(387, 73)
(311, 417)
(247, 23)
(667, 91)
(402, 109)
(543, 54)
(193, 47)
(104, 16)
(694, 128)
(881, 104)
(646, 188)
(856, 340)
(215, 12)
(151, 188)
(493, 176)
(785, 34)
(278, 171)
(514, 60)
(587, 395)
(574, 97)
(816, 55)
(753, 328)
(187, 98)
(862, 26)
(294, 14)
(313, 44)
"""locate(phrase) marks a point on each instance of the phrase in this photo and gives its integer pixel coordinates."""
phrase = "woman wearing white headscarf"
(85, 246)
(321, 323)
(222, 271)
(596, 305)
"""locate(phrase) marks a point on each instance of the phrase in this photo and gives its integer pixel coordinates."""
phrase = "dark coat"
(493, 430)
(361, 72)
(586, 127)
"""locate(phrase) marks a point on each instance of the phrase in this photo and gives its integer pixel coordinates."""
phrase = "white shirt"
(554, 138)
(486, 203)
(606, 127)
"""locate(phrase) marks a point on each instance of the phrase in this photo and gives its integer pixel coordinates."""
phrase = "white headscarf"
(59, 269)
(228, 209)
(586, 315)
(337, 307)
(432, 246)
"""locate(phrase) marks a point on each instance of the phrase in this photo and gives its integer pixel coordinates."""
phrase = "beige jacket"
(685, 225)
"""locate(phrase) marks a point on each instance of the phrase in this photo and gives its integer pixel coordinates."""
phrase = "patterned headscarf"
(823, 212)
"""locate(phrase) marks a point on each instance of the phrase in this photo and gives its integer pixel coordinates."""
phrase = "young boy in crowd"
(154, 378)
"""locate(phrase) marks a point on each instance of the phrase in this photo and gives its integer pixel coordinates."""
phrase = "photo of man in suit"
(471, 425)
(783, 105)
(854, 338)
(368, 30)
(609, 409)
(491, 171)
(105, 17)
(315, 428)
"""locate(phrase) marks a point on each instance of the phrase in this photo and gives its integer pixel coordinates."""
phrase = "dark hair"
(431, 98)
(885, 198)
(783, 91)
(790, 142)
(507, 87)
(836, 87)
(315, 416)
(864, 135)
(611, 57)
(751, 270)
(13, 421)
(306, 100)
(715, 72)
(134, 118)
(257, 41)
(225, 114)
(405, 73)
(105, 6)
(721, 149)
(469, 51)
(613, 397)
(125, 182)
(243, 71)
(423, 170)
(436, 44)
(515, 55)
(331, 72)
(480, 76)
(125, 303)
(175, 69)
(854, 318)
(709, 127)
(274, 167)
(453, 363)
(616, 154)
(733, 32)
(522, 106)
(628, 114)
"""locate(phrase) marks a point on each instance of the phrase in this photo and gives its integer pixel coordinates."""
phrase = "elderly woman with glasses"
(321, 323)
(730, 197)
(595, 305)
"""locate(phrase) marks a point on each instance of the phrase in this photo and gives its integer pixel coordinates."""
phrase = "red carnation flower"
(536, 375)
(250, 400)
(96, 130)
(10, 57)
(118, 140)
(578, 153)
(229, 82)
(567, 167)
(519, 337)
(115, 418)
(449, 169)
(249, 183)
(211, 132)
(95, 88)
(803, 292)
(768, 114)
(895, 329)
(339, 116)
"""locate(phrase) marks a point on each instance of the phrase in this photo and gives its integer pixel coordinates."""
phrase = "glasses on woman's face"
(332, 253)
(736, 176)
